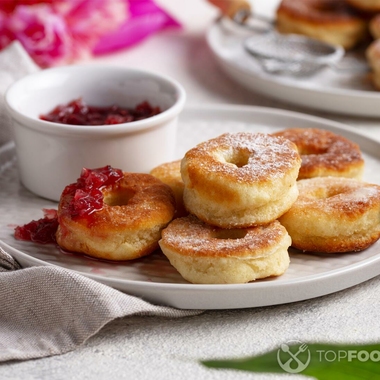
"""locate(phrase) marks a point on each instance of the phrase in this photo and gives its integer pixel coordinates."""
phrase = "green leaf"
(321, 361)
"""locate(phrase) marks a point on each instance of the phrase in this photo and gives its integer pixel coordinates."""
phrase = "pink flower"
(6, 36)
(56, 32)
(88, 20)
(60, 32)
(8, 6)
(43, 33)
(146, 18)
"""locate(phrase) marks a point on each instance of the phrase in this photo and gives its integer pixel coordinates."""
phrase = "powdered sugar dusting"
(191, 236)
(266, 156)
(339, 193)
(322, 150)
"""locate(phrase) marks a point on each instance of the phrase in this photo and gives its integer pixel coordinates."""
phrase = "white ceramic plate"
(153, 277)
(344, 92)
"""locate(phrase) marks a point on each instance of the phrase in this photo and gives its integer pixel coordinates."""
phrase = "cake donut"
(205, 254)
(170, 173)
(240, 179)
(331, 21)
(374, 26)
(114, 215)
(325, 153)
(368, 6)
(372, 52)
(373, 58)
(334, 214)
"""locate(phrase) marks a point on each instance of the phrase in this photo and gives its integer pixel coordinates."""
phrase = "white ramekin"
(51, 155)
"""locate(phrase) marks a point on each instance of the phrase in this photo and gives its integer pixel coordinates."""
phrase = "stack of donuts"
(229, 210)
(249, 196)
(235, 187)
(347, 23)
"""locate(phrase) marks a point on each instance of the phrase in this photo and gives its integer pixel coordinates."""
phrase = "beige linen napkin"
(49, 310)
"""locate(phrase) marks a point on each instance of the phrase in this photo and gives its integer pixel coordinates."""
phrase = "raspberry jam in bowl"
(137, 133)
(77, 112)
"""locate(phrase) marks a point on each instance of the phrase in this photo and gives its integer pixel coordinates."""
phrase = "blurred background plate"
(346, 92)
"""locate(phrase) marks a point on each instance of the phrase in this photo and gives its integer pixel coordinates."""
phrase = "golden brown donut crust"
(240, 179)
(334, 214)
(374, 26)
(170, 173)
(369, 6)
(206, 254)
(373, 58)
(324, 153)
(128, 226)
(318, 11)
(332, 21)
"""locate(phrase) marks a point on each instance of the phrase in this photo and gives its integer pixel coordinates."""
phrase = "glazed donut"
(331, 21)
(325, 153)
(209, 255)
(373, 59)
(368, 6)
(113, 215)
(240, 179)
(334, 214)
(170, 173)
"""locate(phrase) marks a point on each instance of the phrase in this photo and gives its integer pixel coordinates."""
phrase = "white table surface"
(157, 348)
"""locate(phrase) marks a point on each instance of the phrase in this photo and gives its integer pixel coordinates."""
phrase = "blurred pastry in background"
(372, 52)
(367, 6)
(331, 21)
(374, 27)
(373, 58)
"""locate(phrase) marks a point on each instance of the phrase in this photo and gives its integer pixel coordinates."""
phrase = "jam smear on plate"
(39, 231)
(77, 112)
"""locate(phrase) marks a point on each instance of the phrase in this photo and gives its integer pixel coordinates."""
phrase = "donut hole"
(334, 192)
(118, 198)
(324, 193)
(237, 157)
(229, 234)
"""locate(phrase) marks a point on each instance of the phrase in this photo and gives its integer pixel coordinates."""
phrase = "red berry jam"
(39, 231)
(86, 193)
(86, 197)
(77, 112)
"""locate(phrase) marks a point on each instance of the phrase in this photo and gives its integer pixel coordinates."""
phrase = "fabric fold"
(49, 310)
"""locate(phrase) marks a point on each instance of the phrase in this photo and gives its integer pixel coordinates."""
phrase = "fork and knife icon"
(293, 358)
